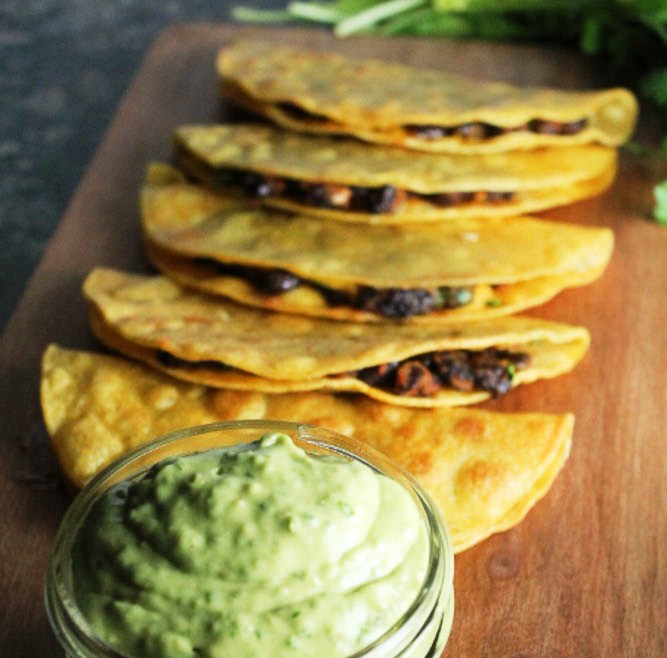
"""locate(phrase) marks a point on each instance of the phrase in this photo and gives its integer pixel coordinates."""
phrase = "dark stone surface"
(65, 66)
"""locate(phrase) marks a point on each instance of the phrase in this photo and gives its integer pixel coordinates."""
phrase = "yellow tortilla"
(277, 353)
(512, 263)
(374, 100)
(537, 179)
(485, 470)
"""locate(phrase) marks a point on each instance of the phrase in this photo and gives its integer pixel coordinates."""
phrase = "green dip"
(259, 551)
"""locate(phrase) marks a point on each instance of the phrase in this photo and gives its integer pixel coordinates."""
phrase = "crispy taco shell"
(485, 470)
(508, 265)
(431, 110)
(338, 175)
(219, 343)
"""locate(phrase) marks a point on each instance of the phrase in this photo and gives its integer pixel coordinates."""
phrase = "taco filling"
(387, 302)
(373, 199)
(491, 370)
(472, 131)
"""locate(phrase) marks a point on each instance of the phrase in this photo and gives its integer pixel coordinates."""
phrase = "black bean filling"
(395, 302)
(474, 131)
(373, 200)
(380, 199)
(478, 131)
(406, 302)
(387, 302)
(272, 281)
(490, 370)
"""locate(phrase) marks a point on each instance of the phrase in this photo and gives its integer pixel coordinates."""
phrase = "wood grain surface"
(585, 574)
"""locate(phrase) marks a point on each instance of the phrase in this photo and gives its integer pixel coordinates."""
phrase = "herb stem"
(312, 11)
(373, 15)
(250, 15)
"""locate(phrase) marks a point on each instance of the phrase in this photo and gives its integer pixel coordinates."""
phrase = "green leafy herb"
(494, 302)
(660, 194)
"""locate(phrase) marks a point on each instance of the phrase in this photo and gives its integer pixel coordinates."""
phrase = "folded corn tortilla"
(200, 238)
(219, 343)
(347, 180)
(485, 470)
(431, 110)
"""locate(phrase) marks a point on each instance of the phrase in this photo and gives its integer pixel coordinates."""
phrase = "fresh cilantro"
(654, 86)
(660, 195)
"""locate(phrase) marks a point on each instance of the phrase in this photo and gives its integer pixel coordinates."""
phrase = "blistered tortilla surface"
(375, 100)
(484, 470)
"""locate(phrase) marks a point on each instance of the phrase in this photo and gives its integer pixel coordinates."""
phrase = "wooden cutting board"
(585, 574)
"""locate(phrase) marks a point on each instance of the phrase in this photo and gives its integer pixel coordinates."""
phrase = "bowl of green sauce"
(252, 538)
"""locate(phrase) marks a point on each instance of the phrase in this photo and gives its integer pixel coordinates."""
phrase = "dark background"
(64, 67)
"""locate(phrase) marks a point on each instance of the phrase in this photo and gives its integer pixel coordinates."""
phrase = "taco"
(212, 341)
(484, 470)
(430, 110)
(347, 180)
(452, 272)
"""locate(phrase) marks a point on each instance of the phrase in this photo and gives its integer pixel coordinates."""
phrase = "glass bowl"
(421, 632)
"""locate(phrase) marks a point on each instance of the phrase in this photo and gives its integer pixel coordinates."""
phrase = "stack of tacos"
(358, 266)
(450, 272)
